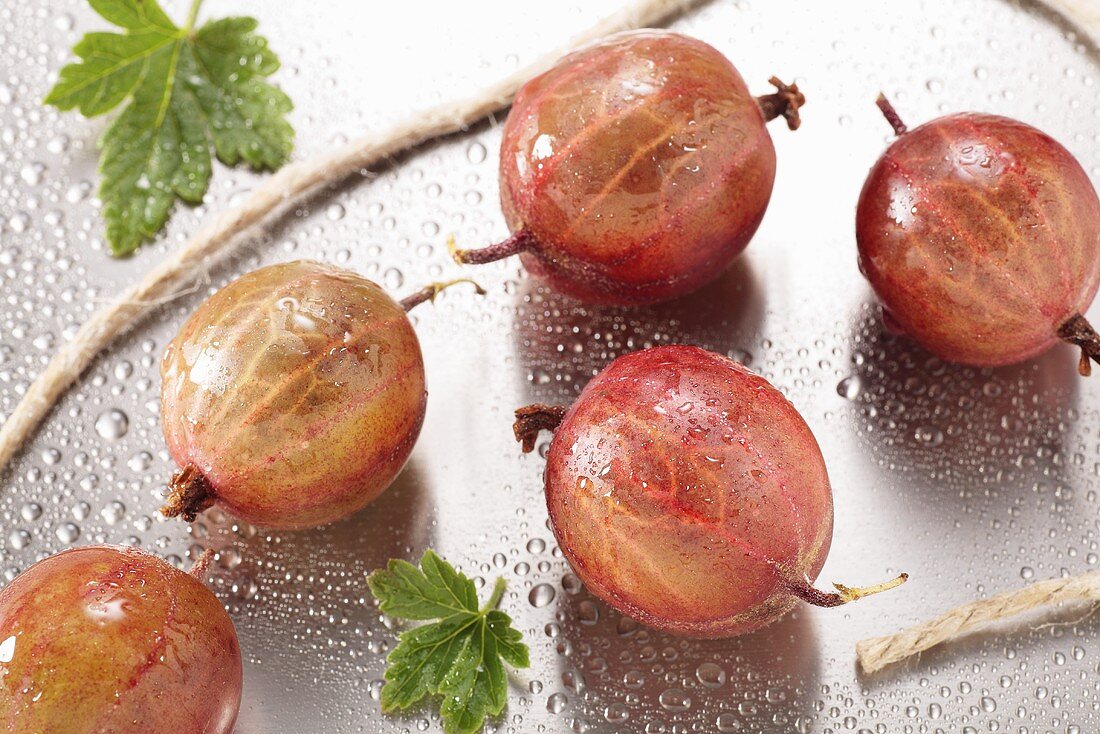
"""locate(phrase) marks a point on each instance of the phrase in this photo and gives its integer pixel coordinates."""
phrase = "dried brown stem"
(520, 241)
(201, 565)
(1077, 330)
(189, 493)
(878, 652)
(785, 102)
(533, 419)
(805, 591)
(891, 115)
(430, 291)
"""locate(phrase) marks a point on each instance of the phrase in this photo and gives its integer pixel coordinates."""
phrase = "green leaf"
(434, 593)
(421, 659)
(475, 686)
(192, 94)
(508, 639)
(459, 656)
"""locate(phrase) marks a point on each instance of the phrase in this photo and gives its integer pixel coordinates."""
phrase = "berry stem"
(192, 16)
(496, 596)
(1077, 330)
(202, 565)
(189, 493)
(784, 102)
(533, 419)
(520, 241)
(891, 115)
(430, 291)
(805, 591)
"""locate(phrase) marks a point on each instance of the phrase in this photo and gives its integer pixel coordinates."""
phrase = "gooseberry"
(293, 396)
(112, 639)
(686, 492)
(981, 236)
(636, 169)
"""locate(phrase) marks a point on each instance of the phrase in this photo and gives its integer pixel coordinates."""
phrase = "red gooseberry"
(688, 493)
(113, 639)
(636, 169)
(293, 396)
(981, 236)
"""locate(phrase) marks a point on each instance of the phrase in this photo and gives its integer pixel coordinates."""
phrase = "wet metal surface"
(973, 481)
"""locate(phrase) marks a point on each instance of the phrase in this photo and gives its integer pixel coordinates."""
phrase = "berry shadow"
(325, 572)
(561, 343)
(964, 426)
(652, 678)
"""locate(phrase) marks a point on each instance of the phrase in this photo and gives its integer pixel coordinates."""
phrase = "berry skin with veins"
(688, 493)
(636, 169)
(981, 237)
(293, 396)
(112, 639)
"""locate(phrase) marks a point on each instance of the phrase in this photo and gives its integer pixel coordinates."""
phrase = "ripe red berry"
(292, 397)
(636, 169)
(981, 236)
(111, 639)
(688, 493)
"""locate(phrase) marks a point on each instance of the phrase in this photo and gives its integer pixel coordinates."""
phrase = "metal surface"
(974, 481)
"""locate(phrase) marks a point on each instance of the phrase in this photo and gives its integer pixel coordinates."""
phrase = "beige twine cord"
(293, 182)
(878, 652)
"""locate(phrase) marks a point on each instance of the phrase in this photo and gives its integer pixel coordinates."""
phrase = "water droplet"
(113, 512)
(123, 370)
(727, 723)
(541, 595)
(675, 700)
(710, 675)
(58, 145)
(616, 713)
(850, 387)
(928, 436)
(392, 279)
(112, 424)
(68, 532)
(588, 612)
(476, 153)
(19, 539)
(31, 173)
(31, 511)
(573, 680)
(556, 703)
(140, 461)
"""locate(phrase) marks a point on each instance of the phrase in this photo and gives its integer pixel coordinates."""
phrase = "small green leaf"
(457, 657)
(192, 94)
(135, 15)
(509, 640)
(422, 657)
(475, 687)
